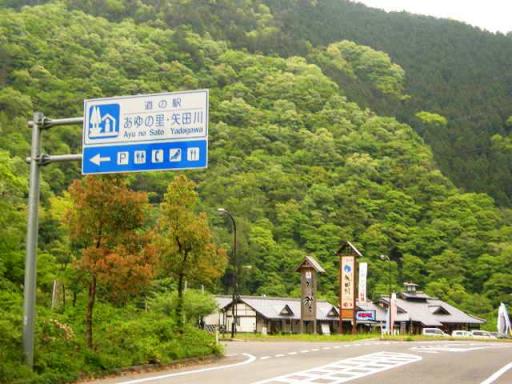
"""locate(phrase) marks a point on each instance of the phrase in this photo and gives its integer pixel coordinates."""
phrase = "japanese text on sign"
(347, 282)
(146, 118)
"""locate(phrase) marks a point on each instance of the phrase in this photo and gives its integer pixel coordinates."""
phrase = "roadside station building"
(415, 311)
(259, 314)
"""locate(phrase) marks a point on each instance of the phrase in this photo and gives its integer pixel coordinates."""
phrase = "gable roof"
(431, 312)
(455, 314)
(273, 307)
(222, 301)
(285, 311)
(417, 296)
(349, 249)
(311, 262)
(438, 310)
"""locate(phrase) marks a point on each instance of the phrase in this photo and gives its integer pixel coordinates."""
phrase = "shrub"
(196, 304)
(124, 337)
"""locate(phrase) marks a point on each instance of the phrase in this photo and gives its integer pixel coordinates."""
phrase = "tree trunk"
(63, 296)
(179, 304)
(88, 315)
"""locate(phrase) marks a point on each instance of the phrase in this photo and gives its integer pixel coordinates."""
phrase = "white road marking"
(446, 348)
(346, 370)
(491, 379)
(337, 347)
(326, 348)
(292, 353)
(265, 357)
(315, 349)
(250, 359)
(305, 351)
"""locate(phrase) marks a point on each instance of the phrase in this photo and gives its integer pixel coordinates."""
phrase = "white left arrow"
(97, 159)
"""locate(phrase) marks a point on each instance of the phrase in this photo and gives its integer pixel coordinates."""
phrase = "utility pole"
(29, 288)
(236, 271)
(39, 123)
(388, 260)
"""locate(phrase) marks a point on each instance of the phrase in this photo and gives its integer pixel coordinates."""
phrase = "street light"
(224, 211)
(388, 260)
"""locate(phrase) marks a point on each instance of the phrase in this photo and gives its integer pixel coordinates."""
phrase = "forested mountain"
(300, 153)
(454, 70)
(299, 164)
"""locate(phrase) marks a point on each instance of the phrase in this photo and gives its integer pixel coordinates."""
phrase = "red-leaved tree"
(106, 220)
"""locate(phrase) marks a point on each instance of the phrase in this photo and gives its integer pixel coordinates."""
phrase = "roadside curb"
(154, 367)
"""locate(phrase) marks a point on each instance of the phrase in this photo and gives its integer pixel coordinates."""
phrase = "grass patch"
(303, 337)
(123, 337)
(350, 337)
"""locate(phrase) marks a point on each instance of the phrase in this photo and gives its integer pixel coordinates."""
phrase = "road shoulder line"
(491, 379)
(250, 359)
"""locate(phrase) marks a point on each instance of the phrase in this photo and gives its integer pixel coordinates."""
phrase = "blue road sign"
(167, 131)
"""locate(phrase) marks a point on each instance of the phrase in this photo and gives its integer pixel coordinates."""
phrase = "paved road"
(436, 362)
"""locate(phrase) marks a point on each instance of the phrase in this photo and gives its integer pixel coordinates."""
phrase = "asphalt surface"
(436, 362)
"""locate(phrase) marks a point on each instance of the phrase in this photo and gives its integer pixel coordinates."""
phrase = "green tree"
(432, 118)
(13, 186)
(196, 304)
(413, 269)
(449, 265)
(185, 242)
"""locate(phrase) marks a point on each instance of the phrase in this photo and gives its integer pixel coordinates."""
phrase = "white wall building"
(257, 314)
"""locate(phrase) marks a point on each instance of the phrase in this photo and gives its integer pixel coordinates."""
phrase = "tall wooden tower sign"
(308, 280)
(348, 255)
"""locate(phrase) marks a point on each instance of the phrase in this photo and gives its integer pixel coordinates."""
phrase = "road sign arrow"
(97, 159)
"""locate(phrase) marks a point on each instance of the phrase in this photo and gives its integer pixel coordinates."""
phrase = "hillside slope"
(299, 165)
(452, 69)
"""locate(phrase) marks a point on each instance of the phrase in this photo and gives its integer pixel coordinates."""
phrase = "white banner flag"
(363, 270)
(504, 327)
(391, 314)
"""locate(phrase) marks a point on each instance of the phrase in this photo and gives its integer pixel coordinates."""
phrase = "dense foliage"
(458, 71)
(125, 337)
(298, 163)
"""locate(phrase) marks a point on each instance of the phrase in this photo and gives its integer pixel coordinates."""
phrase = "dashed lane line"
(346, 370)
(429, 347)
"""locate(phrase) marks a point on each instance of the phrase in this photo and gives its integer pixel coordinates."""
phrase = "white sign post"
(121, 134)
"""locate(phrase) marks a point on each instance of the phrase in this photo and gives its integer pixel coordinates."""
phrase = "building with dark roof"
(271, 314)
(415, 311)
